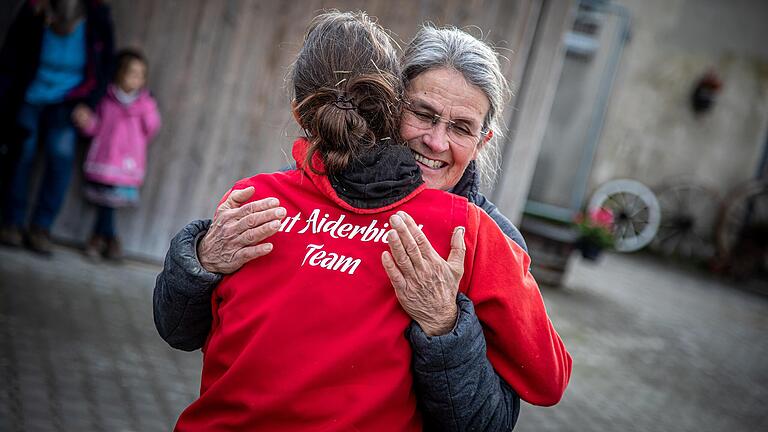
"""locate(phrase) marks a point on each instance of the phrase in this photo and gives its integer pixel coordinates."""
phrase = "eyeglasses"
(425, 120)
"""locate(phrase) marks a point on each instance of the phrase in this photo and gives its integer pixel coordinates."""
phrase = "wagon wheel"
(688, 219)
(742, 231)
(635, 211)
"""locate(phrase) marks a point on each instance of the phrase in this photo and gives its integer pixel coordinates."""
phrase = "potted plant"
(595, 232)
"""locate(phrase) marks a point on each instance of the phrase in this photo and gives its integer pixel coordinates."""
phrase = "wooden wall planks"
(217, 69)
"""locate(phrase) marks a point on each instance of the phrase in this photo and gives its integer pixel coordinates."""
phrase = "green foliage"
(596, 227)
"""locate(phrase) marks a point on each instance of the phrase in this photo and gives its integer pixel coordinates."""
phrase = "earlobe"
(488, 136)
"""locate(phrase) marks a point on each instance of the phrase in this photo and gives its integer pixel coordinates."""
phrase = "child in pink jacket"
(125, 121)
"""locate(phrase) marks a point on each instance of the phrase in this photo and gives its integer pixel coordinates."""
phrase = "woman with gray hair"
(462, 73)
(454, 98)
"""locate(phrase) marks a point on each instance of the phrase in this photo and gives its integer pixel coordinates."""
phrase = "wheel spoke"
(639, 211)
(634, 228)
(678, 199)
(623, 233)
(635, 206)
(686, 203)
(679, 239)
(686, 249)
(672, 241)
(668, 235)
(615, 207)
(622, 202)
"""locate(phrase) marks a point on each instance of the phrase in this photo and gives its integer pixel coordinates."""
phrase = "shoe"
(96, 246)
(11, 236)
(39, 241)
(114, 250)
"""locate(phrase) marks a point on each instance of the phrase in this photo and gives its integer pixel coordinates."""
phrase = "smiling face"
(444, 150)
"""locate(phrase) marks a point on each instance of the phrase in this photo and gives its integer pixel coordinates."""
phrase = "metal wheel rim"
(687, 203)
(638, 216)
(732, 209)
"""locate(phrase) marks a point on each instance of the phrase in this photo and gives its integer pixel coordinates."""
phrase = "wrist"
(443, 324)
(183, 266)
(200, 256)
(465, 344)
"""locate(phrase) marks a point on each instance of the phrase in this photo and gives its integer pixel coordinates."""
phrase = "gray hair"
(434, 48)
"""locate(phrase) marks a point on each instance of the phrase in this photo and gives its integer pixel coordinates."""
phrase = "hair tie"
(343, 103)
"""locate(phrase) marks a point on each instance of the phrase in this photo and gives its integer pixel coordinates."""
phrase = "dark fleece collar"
(379, 178)
(382, 176)
(387, 174)
(469, 183)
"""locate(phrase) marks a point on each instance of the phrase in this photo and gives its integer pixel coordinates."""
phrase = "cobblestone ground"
(79, 350)
(655, 348)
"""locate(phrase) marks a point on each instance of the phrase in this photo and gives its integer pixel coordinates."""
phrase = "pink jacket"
(118, 152)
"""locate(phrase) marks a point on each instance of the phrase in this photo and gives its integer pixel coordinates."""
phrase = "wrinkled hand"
(82, 116)
(237, 231)
(426, 285)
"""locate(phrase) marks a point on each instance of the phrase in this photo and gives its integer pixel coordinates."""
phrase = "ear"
(483, 141)
(487, 137)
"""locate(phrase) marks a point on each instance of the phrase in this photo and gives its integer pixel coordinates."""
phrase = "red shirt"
(311, 336)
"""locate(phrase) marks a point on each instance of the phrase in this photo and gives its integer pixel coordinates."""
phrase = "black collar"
(469, 183)
(382, 176)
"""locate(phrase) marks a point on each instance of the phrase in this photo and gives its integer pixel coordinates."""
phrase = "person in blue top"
(57, 55)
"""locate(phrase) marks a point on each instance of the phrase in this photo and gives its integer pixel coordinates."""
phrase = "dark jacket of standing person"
(20, 57)
(20, 60)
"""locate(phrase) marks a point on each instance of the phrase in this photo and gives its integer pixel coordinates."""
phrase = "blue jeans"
(105, 222)
(50, 124)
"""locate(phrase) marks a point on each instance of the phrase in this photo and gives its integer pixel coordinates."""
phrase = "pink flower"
(602, 217)
(596, 227)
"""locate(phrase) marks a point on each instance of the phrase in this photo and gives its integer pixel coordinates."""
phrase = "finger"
(394, 274)
(255, 220)
(402, 260)
(258, 234)
(458, 250)
(246, 254)
(259, 205)
(425, 247)
(236, 198)
(409, 244)
(257, 213)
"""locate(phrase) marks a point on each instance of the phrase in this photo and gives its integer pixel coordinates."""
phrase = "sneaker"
(39, 241)
(11, 236)
(114, 250)
(96, 246)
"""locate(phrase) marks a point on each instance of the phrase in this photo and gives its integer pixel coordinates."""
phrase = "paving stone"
(655, 347)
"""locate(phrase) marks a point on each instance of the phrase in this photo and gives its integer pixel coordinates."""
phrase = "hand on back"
(426, 285)
(238, 231)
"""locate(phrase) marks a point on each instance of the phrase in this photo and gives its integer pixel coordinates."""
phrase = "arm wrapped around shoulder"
(182, 297)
